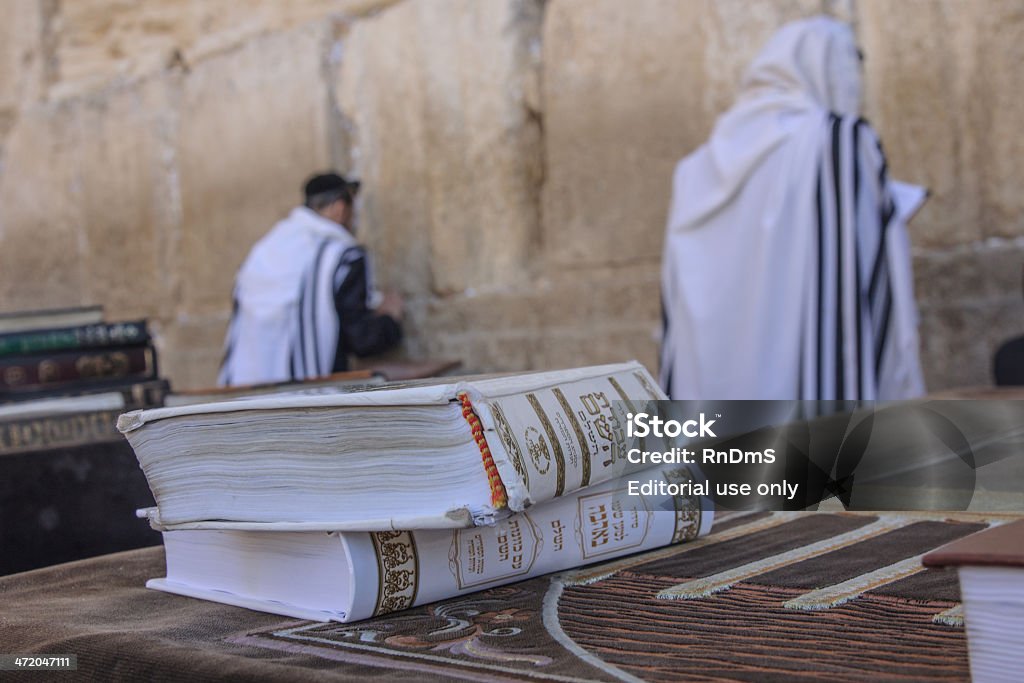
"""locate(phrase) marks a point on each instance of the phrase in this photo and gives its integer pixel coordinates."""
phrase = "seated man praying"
(304, 298)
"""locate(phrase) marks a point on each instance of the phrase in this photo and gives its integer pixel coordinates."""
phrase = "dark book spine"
(22, 372)
(57, 431)
(150, 394)
(98, 336)
(147, 393)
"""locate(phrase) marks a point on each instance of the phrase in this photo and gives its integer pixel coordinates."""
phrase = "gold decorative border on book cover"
(604, 526)
(646, 384)
(518, 544)
(688, 508)
(585, 453)
(397, 570)
(622, 394)
(509, 440)
(541, 447)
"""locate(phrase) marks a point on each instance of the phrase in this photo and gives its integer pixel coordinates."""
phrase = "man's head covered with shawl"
(777, 226)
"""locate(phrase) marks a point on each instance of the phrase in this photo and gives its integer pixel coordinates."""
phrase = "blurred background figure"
(304, 298)
(1008, 363)
(786, 271)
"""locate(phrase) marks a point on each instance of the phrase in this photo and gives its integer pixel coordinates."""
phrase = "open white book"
(349, 576)
(447, 455)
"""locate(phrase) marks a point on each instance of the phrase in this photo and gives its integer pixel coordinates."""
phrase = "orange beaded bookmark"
(499, 497)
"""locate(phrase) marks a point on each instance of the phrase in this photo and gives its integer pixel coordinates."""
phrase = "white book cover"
(500, 445)
(349, 576)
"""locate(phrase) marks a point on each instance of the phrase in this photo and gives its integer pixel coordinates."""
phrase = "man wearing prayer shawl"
(304, 298)
(786, 271)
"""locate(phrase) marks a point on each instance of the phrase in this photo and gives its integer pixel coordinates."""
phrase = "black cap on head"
(330, 182)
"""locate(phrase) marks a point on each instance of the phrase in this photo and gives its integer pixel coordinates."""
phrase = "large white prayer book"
(351, 575)
(453, 454)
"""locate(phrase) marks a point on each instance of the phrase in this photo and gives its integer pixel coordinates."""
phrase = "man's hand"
(391, 305)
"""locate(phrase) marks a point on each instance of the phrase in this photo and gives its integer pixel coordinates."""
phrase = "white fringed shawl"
(786, 270)
(284, 325)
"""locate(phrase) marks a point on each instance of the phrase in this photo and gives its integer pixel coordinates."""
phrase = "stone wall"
(516, 157)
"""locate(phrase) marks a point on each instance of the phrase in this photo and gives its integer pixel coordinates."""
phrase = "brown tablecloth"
(783, 596)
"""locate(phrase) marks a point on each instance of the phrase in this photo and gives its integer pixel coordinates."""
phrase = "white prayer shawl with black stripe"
(786, 271)
(284, 325)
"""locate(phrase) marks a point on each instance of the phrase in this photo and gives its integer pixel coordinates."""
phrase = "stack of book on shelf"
(65, 375)
(73, 351)
(69, 477)
(393, 497)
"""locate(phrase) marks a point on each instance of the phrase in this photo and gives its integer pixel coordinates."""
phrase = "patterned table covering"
(767, 596)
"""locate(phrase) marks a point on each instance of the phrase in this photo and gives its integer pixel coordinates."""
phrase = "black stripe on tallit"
(301, 357)
(880, 270)
(800, 368)
(840, 389)
(882, 323)
(883, 331)
(313, 308)
(886, 211)
(664, 345)
(230, 347)
(858, 294)
(883, 171)
(885, 216)
(821, 285)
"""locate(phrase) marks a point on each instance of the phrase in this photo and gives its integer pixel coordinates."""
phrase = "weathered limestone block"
(501, 351)
(23, 55)
(920, 74)
(488, 333)
(961, 353)
(388, 130)
(602, 315)
(190, 349)
(629, 89)
(997, 107)
(253, 126)
(585, 317)
(484, 314)
(944, 84)
(970, 301)
(585, 298)
(438, 95)
(532, 349)
(970, 274)
(87, 204)
(597, 345)
(100, 41)
(40, 221)
(127, 199)
(25, 66)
